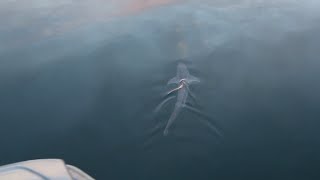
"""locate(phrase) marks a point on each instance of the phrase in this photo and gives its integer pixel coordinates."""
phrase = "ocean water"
(80, 82)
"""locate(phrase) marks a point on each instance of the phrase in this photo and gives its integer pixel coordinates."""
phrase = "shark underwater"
(183, 79)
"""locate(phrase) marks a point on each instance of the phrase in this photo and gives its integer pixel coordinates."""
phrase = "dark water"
(87, 94)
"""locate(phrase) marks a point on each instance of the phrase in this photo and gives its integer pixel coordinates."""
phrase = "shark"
(183, 79)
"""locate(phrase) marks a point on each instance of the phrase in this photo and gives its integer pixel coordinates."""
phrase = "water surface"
(80, 80)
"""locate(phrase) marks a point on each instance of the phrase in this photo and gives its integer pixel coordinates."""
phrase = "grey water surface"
(80, 80)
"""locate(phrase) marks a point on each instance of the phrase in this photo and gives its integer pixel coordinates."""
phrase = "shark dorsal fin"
(183, 73)
(190, 79)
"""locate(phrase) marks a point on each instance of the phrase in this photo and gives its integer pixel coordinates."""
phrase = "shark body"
(183, 79)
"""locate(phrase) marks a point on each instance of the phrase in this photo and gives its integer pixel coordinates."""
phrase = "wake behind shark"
(183, 79)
